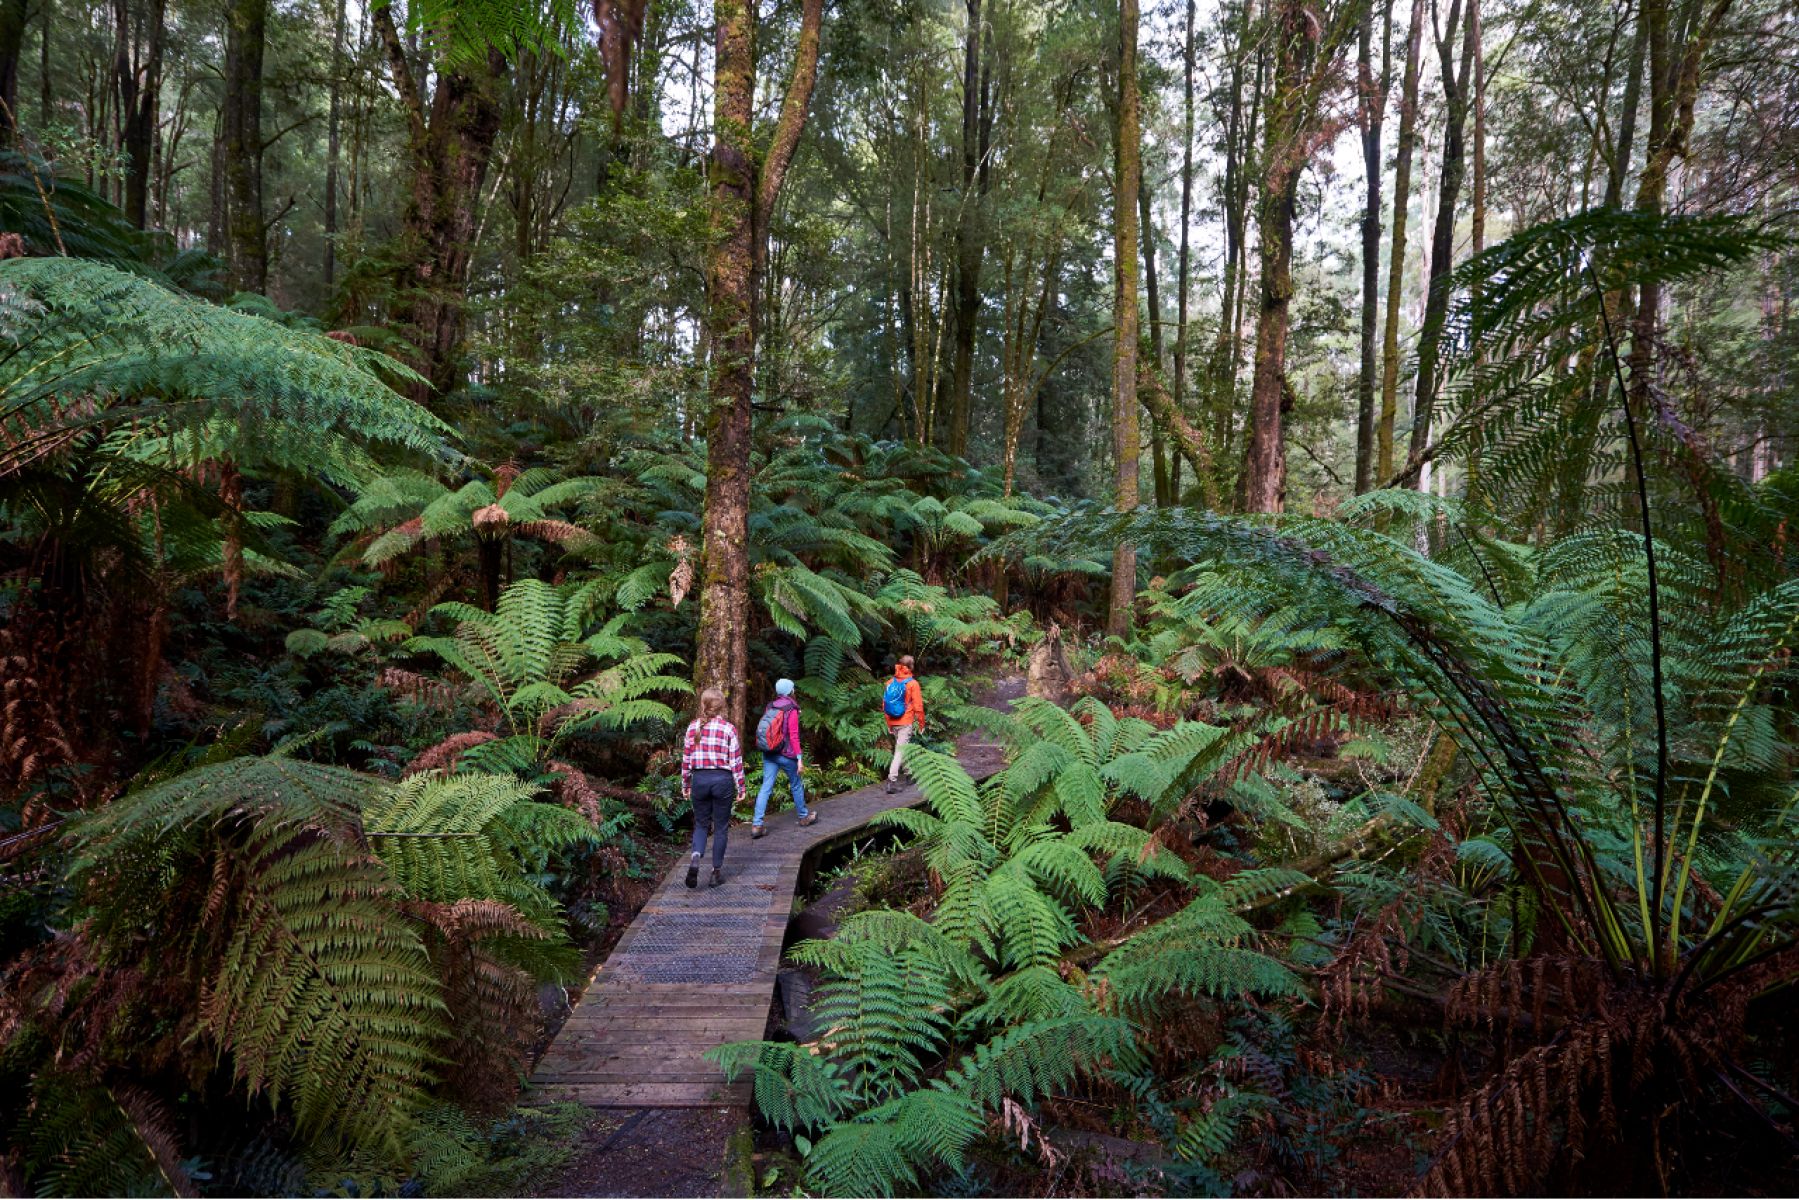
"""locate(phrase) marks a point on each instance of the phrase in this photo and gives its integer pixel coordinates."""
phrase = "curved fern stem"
(1655, 629)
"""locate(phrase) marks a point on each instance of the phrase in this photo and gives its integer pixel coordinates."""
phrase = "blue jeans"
(773, 765)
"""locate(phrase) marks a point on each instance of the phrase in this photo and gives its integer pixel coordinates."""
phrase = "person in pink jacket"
(778, 737)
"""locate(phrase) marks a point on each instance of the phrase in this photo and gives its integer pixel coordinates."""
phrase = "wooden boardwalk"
(697, 967)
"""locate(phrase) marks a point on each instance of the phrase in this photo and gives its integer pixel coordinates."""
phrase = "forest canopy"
(1339, 454)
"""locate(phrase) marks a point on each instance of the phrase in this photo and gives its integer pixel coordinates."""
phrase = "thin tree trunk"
(1242, 131)
(1618, 168)
(1402, 194)
(216, 202)
(1373, 102)
(1477, 221)
(1182, 281)
(46, 101)
(1152, 298)
(246, 24)
(1676, 56)
(1125, 434)
(334, 145)
(137, 81)
(1456, 79)
(970, 244)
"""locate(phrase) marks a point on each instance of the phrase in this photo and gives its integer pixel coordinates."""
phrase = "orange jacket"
(914, 715)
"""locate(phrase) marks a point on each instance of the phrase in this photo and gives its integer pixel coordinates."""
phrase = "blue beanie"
(783, 687)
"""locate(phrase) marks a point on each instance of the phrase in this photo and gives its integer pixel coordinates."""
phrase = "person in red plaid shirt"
(712, 778)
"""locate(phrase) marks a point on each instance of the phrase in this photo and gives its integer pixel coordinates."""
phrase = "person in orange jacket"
(903, 703)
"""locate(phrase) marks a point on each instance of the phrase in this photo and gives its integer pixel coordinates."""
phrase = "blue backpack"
(894, 698)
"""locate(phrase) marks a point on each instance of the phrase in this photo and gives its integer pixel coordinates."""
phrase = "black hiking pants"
(714, 792)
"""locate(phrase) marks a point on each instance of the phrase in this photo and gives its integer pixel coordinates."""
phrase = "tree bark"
(1402, 194)
(1188, 440)
(246, 23)
(743, 198)
(1371, 108)
(45, 99)
(1125, 434)
(13, 17)
(1153, 301)
(137, 82)
(1305, 57)
(1240, 127)
(1676, 56)
(334, 145)
(1181, 268)
(1442, 243)
(450, 140)
(971, 246)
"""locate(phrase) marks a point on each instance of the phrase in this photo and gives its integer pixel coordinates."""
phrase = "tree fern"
(1199, 950)
(102, 348)
(525, 655)
(320, 987)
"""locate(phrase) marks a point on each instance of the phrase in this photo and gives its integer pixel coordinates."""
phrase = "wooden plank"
(657, 1095)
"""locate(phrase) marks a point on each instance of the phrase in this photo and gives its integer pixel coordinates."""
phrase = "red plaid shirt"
(711, 746)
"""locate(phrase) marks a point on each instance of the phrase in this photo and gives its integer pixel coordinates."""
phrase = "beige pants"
(901, 735)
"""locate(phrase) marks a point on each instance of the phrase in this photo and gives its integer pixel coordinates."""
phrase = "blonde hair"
(712, 704)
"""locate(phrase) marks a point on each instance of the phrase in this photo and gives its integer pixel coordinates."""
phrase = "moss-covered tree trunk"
(1125, 433)
(246, 24)
(971, 245)
(450, 140)
(1307, 43)
(743, 196)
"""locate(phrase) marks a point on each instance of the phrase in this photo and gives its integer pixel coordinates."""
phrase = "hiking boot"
(892, 788)
(809, 819)
(718, 876)
(693, 874)
(756, 831)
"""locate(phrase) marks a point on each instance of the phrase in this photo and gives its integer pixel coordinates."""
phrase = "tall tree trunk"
(246, 24)
(722, 656)
(1305, 54)
(1677, 43)
(1158, 440)
(1372, 106)
(334, 145)
(1241, 125)
(1618, 168)
(1125, 435)
(137, 81)
(1265, 458)
(13, 16)
(743, 198)
(1456, 78)
(1402, 195)
(1477, 219)
(450, 141)
(970, 243)
(1181, 268)
(216, 220)
(46, 100)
